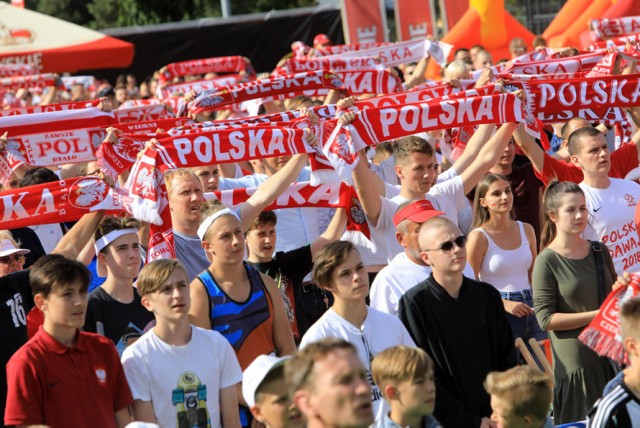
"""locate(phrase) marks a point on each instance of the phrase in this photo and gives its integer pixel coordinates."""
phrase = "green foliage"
(99, 14)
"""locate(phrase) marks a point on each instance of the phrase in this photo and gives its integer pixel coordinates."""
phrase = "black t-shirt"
(288, 269)
(16, 301)
(28, 240)
(123, 323)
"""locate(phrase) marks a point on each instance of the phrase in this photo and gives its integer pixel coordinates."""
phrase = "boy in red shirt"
(64, 377)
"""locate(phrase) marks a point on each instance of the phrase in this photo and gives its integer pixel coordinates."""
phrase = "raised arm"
(530, 148)
(369, 188)
(271, 189)
(75, 239)
(474, 145)
(487, 157)
(333, 233)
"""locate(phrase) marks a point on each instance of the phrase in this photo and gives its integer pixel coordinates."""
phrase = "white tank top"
(507, 270)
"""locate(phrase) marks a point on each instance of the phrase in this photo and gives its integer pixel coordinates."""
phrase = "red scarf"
(333, 63)
(57, 202)
(73, 105)
(427, 94)
(143, 113)
(14, 83)
(340, 49)
(395, 54)
(198, 85)
(603, 333)
(56, 121)
(584, 62)
(210, 100)
(226, 64)
(601, 29)
(8, 70)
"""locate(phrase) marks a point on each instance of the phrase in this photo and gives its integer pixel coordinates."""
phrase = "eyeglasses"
(447, 247)
(13, 257)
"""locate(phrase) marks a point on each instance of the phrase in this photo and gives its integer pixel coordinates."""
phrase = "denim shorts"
(525, 327)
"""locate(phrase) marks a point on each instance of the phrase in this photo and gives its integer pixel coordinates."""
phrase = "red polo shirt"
(60, 386)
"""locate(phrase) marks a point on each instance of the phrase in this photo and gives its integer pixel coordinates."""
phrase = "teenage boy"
(405, 378)
(265, 392)
(179, 374)
(621, 406)
(520, 398)
(64, 377)
(288, 268)
(460, 323)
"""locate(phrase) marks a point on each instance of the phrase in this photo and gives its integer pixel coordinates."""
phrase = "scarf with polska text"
(153, 126)
(72, 105)
(58, 201)
(618, 43)
(335, 64)
(603, 332)
(411, 97)
(212, 99)
(375, 125)
(143, 113)
(204, 148)
(225, 64)
(341, 49)
(573, 64)
(602, 29)
(8, 70)
(41, 81)
(398, 53)
(179, 89)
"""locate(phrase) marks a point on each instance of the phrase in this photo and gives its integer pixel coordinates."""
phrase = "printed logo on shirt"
(101, 375)
(630, 200)
(190, 401)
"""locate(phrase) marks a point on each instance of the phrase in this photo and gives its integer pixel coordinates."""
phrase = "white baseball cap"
(256, 372)
(7, 248)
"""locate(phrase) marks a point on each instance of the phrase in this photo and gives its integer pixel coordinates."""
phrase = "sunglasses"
(447, 247)
(14, 257)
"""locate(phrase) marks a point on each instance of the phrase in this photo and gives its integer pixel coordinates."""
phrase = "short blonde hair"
(172, 174)
(524, 390)
(156, 273)
(399, 364)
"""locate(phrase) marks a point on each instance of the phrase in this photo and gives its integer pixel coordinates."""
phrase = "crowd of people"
(467, 239)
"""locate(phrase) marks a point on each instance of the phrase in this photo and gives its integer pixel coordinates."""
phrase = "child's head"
(520, 397)
(404, 376)
(630, 329)
(117, 247)
(261, 236)
(265, 391)
(59, 286)
(164, 287)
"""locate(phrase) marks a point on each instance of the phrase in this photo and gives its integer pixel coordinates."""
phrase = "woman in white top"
(338, 268)
(501, 252)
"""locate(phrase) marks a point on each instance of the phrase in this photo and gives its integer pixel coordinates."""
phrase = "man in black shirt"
(460, 323)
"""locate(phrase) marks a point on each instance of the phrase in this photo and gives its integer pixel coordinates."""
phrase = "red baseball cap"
(418, 212)
(321, 39)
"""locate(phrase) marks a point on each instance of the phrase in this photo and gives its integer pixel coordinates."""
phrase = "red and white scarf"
(340, 49)
(143, 113)
(210, 100)
(14, 83)
(56, 121)
(603, 333)
(58, 201)
(53, 148)
(199, 85)
(73, 105)
(8, 70)
(411, 97)
(574, 64)
(601, 29)
(226, 64)
(152, 126)
(334, 63)
(394, 54)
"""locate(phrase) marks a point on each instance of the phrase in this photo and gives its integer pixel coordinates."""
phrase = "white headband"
(110, 237)
(206, 224)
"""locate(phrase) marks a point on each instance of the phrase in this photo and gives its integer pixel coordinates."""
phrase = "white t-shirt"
(611, 221)
(397, 278)
(447, 197)
(378, 332)
(181, 381)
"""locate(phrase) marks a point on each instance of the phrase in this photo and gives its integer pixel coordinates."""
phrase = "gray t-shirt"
(190, 252)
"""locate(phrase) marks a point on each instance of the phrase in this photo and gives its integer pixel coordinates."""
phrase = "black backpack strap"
(597, 254)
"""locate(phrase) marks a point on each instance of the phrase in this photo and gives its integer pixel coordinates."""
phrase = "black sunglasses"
(460, 242)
